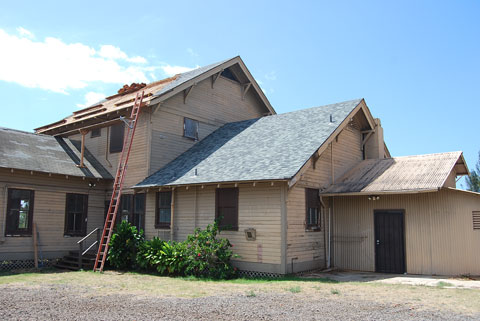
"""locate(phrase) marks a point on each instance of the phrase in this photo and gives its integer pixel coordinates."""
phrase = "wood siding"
(212, 107)
(302, 245)
(439, 234)
(48, 213)
(259, 207)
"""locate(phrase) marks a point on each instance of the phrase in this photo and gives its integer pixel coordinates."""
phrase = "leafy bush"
(209, 256)
(122, 252)
(201, 255)
(167, 258)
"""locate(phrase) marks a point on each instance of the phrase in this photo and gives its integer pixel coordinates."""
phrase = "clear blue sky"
(417, 63)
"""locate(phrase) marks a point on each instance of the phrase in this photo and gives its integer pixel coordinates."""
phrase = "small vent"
(476, 220)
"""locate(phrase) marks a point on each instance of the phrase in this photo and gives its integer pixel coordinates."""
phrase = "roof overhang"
(368, 193)
(212, 72)
(271, 181)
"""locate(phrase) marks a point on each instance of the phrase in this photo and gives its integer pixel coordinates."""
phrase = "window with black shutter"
(163, 209)
(312, 205)
(190, 128)
(76, 214)
(19, 212)
(226, 209)
(117, 133)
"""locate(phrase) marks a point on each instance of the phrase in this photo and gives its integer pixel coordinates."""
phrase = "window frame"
(96, 132)
(311, 193)
(84, 214)
(185, 128)
(115, 148)
(158, 223)
(17, 231)
(218, 191)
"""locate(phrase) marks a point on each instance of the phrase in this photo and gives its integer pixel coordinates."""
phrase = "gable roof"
(108, 109)
(43, 153)
(268, 148)
(399, 174)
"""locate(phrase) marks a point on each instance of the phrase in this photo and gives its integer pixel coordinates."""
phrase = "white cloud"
(173, 70)
(271, 76)
(114, 53)
(58, 66)
(91, 98)
(25, 33)
(191, 52)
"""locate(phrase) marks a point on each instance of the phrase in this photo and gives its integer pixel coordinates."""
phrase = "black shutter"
(117, 133)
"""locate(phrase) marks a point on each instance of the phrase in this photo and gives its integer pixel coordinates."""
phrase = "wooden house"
(309, 189)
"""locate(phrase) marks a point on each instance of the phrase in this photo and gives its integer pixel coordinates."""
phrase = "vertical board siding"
(48, 212)
(439, 235)
(302, 245)
(259, 207)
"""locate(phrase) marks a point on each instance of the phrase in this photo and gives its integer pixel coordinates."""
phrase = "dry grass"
(89, 283)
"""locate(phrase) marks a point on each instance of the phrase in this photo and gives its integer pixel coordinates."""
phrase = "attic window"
(96, 132)
(227, 73)
(190, 128)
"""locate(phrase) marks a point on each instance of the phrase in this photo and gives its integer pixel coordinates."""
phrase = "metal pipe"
(329, 238)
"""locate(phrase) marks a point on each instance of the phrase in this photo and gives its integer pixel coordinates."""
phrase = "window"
(312, 205)
(76, 214)
(138, 214)
(227, 73)
(190, 128)
(476, 220)
(117, 132)
(163, 209)
(96, 132)
(19, 212)
(226, 209)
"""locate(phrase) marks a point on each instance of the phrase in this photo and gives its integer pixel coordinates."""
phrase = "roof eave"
(366, 193)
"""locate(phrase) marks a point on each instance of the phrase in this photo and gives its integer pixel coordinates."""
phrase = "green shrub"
(122, 252)
(209, 256)
(167, 258)
(201, 255)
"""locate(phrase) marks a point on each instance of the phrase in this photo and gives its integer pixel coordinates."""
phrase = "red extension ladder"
(118, 185)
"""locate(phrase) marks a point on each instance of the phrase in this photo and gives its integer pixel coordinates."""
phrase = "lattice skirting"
(25, 264)
(256, 274)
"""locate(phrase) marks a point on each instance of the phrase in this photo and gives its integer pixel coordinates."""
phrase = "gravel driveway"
(66, 302)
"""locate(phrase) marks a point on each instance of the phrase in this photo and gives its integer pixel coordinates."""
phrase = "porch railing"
(81, 245)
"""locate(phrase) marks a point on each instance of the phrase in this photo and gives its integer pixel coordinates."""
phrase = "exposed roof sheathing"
(399, 174)
(269, 148)
(112, 107)
(42, 153)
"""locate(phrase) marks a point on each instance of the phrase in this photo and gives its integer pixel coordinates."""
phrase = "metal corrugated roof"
(42, 153)
(398, 174)
(269, 148)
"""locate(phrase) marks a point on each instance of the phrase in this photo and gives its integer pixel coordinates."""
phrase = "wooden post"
(35, 244)
(80, 250)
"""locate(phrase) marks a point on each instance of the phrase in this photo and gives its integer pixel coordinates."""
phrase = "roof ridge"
(426, 155)
(22, 131)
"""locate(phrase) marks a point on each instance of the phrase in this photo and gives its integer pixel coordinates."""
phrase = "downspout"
(330, 210)
(195, 209)
(172, 216)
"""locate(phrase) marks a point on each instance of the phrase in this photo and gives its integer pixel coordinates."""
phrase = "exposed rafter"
(245, 88)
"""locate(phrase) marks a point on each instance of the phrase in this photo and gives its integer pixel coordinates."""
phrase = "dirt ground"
(131, 296)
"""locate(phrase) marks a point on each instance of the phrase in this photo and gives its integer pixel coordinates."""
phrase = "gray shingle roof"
(189, 75)
(398, 174)
(42, 153)
(269, 148)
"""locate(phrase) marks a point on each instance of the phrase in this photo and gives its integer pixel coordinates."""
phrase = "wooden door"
(389, 242)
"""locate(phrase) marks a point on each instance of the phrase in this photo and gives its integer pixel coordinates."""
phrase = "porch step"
(70, 261)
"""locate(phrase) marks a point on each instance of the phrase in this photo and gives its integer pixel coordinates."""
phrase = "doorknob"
(378, 242)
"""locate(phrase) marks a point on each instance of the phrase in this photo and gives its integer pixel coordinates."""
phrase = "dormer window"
(227, 73)
(190, 128)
